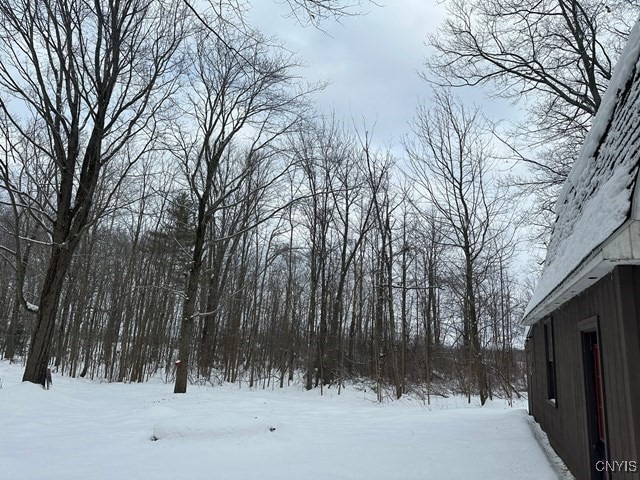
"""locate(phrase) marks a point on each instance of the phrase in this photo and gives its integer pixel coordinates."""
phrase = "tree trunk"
(38, 359)
(188, 313)
(10, 345)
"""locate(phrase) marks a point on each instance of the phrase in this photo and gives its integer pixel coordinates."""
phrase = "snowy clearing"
(88, 430)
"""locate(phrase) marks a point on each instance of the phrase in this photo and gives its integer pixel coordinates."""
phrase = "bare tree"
(385, 351)
(451, 161)
(21, 227)
(555, 55)
(314, 11)
(88, 74)
(311, 150)
(238, 86)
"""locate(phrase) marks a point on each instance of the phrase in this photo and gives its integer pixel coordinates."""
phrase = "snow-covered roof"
(596, 201)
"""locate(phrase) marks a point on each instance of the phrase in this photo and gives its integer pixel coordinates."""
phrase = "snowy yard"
(87, 430)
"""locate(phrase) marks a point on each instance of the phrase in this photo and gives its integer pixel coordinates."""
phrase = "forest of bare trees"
(173, 204)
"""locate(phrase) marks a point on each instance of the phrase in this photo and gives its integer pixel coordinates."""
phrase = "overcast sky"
(372, 61)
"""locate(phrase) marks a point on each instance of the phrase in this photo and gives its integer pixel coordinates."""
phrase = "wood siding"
(615, 301)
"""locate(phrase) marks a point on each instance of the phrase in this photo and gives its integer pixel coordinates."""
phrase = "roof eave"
(621, 248)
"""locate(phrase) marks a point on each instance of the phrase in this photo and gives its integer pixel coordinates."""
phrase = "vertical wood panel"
(632, 328)
(615, 299)
(612, 371)
(628, 348)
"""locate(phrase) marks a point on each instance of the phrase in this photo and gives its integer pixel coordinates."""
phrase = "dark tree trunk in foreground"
(38, 360)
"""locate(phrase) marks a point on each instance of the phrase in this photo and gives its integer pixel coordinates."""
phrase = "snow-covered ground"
(87, 430)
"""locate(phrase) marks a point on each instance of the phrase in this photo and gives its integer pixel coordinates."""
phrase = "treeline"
(173, 205)
(332, 270)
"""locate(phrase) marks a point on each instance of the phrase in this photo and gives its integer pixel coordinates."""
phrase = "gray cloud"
(371, 60)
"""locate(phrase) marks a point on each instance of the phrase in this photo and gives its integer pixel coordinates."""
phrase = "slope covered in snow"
(596, 197)
(84, 430)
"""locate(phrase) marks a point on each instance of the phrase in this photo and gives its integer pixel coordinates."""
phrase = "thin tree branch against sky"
(371, 61)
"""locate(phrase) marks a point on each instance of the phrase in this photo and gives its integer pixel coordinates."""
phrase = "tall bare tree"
(238, 86)
(385, 341)
(91, 75)
(451, 161)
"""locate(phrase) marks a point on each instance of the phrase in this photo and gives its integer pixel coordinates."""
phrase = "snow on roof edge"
(628, 62)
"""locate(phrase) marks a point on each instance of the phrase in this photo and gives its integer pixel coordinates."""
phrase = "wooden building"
(583, 344)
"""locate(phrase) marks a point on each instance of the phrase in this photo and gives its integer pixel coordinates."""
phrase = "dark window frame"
(550, 361)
